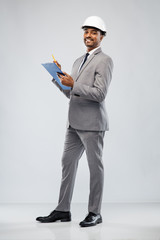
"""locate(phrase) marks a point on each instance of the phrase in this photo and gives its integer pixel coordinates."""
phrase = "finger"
(66, 74)
(63, 82)
(58, 64)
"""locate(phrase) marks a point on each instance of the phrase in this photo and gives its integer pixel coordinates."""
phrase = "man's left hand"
(66, 80)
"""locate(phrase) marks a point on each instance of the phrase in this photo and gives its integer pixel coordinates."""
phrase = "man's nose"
(88, 34)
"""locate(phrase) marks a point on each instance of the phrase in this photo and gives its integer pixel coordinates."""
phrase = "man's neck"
(92, 51)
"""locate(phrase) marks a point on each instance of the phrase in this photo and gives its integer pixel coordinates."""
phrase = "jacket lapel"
(87, 62)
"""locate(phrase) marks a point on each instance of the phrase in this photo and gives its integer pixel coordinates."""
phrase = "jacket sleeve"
(98, 91)
(65, 92)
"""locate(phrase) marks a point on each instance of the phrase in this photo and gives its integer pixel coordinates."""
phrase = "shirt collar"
(92, 51)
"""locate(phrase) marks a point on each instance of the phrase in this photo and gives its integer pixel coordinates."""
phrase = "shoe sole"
(66, 220)
(58, 220)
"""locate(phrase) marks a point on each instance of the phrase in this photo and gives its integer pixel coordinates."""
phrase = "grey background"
(33, 113)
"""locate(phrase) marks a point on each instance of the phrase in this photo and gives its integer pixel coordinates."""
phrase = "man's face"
(92, 38)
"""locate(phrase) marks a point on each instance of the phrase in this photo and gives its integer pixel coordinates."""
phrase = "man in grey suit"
(87, 123)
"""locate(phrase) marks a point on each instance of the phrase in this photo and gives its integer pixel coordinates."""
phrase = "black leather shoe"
(55, 216)
(92, 219)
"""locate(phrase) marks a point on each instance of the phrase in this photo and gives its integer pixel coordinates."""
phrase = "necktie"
(85, 59)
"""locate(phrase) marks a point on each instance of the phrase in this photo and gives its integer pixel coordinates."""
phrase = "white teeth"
(88, 40)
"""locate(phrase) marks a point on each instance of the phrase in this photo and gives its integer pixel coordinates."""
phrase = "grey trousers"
(76, 142)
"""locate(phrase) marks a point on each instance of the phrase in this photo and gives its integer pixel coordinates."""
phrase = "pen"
(56, 62)
(53, 58)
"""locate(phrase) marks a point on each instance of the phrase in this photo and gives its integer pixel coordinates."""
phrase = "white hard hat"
(95, 22)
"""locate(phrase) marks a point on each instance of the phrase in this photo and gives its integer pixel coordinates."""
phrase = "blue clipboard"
(53, 69)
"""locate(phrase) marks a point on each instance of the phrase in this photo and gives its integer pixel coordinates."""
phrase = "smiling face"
(92, 38)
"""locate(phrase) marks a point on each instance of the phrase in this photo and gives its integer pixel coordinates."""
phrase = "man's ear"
(101, 37)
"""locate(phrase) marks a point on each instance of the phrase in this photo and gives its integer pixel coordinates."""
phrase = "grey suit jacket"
(87, 98)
